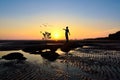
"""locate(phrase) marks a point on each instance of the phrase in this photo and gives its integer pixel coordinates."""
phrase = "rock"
(15, 55)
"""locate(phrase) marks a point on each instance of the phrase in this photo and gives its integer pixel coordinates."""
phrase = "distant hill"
(114, 36)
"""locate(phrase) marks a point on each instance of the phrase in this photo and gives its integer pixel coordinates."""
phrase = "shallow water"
(79, 64)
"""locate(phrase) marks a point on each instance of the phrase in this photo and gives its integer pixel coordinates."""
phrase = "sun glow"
(56, 36)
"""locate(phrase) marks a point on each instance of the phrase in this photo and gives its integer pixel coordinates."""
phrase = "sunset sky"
(24, 19)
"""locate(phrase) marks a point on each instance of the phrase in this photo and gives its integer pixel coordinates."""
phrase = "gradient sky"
(21, 19)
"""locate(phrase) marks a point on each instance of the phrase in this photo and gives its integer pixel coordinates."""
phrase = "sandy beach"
(77, 64)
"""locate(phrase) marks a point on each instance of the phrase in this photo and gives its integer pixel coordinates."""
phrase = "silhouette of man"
(66, 33)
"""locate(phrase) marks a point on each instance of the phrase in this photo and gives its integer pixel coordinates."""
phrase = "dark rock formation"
(15, 55)
(50, 55)
(69, 46)
(115, 36)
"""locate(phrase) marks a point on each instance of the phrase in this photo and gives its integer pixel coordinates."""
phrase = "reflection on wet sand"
(82, 64)
(50, 55)
(63, 64)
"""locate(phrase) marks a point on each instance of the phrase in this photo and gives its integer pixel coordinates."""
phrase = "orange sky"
(85, 19)
(30, 28)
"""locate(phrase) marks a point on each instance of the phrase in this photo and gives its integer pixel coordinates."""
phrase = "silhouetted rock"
(115, 36)
(69, 46)
(50, 55)
(32, 50)
(15, 55)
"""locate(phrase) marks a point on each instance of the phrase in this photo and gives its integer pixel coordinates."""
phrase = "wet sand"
(77, 64)
(95, 44)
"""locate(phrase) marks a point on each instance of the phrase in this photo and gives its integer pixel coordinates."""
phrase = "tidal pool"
(78, 64)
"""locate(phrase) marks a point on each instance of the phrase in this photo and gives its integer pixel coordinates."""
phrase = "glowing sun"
(56, 36)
